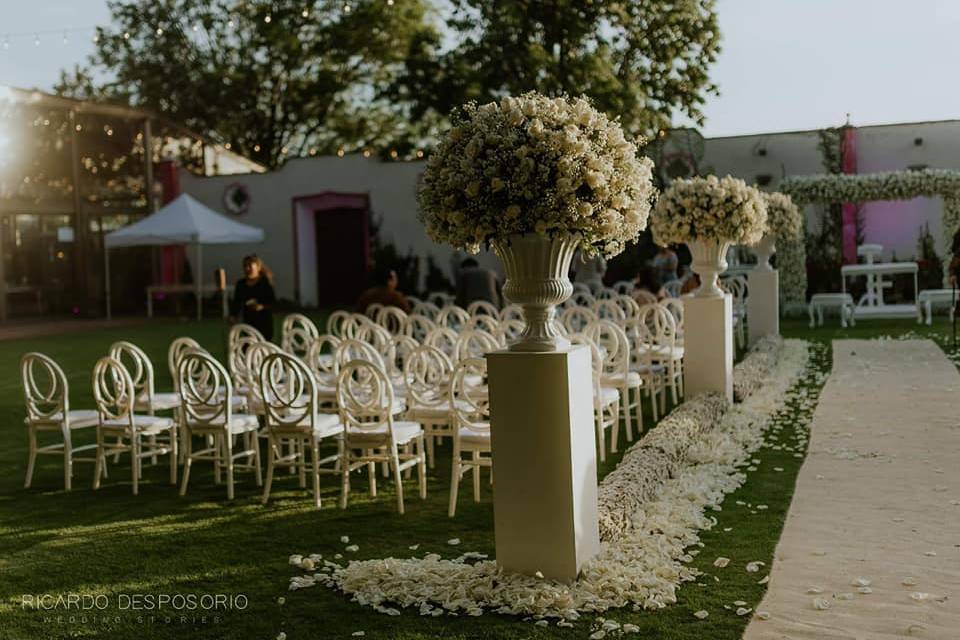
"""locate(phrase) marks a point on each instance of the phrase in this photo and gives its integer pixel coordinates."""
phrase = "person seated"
(385, 293)
(691, 284)
(648, 281)
(477, 283)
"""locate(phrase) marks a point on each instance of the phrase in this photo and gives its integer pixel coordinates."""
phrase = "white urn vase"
(764, 249)
(709, 261)
(537, 271)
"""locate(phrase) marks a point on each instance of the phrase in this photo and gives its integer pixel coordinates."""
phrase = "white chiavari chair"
(485, 322)
(606, 400)
(673, 288)
(605, 293)
(206, 393)
(615, 349)
(323, 364)
(471, 426)
(444, 339)
(657, 346)
(342, 324)
(371, 434)
(47, 399)
(511, 329)
(292, 416)
(441, 299)
(255, 357)
(115, 397)
(675, 307)
(629, 306)
(511, 312)
(239, 339)
(296, 334)
(426, 372)
(373, 310)
(623, 287)
(577, 318)
(610, 309)
(418, 327)
(427, 309)
(643, 297)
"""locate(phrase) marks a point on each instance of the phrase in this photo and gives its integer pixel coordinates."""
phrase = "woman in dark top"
(253, 296)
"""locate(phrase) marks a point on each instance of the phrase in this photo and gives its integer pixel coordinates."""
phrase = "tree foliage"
(642, 61)
(273, 79)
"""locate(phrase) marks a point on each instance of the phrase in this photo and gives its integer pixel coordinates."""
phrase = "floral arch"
(889, 185)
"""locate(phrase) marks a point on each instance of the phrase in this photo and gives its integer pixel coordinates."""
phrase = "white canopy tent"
(182, 221)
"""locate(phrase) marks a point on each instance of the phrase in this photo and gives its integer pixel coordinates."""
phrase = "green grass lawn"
(110, 542)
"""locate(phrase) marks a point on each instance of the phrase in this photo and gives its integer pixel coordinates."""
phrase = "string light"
(305, 13)
(159, 31)
(267, 18)
(366, 153)
(347, 8)
(256, 148)
(196, 28)
(419, 153)
(126, 35)
(227, 146)
(393, 154)
(230, 23)
(340, 152)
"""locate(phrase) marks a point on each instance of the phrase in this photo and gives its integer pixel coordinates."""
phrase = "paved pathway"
(877, 498)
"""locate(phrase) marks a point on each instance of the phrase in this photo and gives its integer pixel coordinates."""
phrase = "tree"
(641, 61)
(272, 79)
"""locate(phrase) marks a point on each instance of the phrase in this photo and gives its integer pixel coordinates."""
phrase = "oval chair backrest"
(470, 397)
(418, 326)
(341, 324)
(475, 343)
(609, 309)
(113, 390)
(511, 329)
(364, 398)
(349, 350)
(443, 339)
(393, 319)
(623, 287)
(453, 317)
(239, 339)
(511, 312)
(377, 337)
(485, 322)
(45, 390)
(139, 367)
(206, 390)
(427, 309)
(614, 346)
(296, 334)
(575, 319)
(582, 298)
(256, 354)
(372, 310)
(629, 307)
(175, 352)
(426, 372)
(288, 390)
(675, 307)
(321, 359)
(656, 325)
(400, 350)
(596, 361)
(642, 296)
(440, 299)
(483, 306)
(673, 288)
(605, 293)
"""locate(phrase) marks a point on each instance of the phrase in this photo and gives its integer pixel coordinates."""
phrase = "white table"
(188, 288)
(877, 270)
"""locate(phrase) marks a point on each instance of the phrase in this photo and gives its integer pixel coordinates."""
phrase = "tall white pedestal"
(544, 461)
(763, 303)
(708, 345)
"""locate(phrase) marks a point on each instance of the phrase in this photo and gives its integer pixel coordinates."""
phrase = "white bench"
(841, 301)
(929, 297)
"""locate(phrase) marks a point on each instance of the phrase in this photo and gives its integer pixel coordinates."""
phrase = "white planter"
(537, 271)
(709, 261)
(764, 249)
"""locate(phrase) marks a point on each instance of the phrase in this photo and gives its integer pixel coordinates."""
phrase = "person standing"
(253, 296)
(665, 263)
(477, 283)
(386, 294)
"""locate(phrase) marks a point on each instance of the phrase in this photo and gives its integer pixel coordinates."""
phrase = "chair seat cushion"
(403, 432)
(326, 424)
(629, 379)
(147, 425)
(472, 437)
(161, 402)
(79, 418)
(440, 411)
(609, 395)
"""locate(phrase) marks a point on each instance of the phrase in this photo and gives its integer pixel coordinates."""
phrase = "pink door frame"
(325, 201)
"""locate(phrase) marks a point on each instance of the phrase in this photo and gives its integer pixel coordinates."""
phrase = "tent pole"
(198, 282)
(106, 281)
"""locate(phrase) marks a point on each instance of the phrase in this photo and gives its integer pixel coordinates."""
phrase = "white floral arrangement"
(792, 266)
(644, 567)
(534, 164)
(709, 209)
(749, 373)
(783, 216)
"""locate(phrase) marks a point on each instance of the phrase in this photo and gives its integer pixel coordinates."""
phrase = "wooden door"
(342, 247)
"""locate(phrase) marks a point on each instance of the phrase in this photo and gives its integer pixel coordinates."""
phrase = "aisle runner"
(871, 547)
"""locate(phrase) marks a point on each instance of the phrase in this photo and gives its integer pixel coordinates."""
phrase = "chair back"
(349, 350)
(418, 326)
(138, 366)
(642, 296)
(373, 310)
(673, 288)
(426, 372)
(576, 319)
(296, 334)
(609, 309)
(470, 401)
(453, 317)
(440, 299)
(256, 355)
(113, 390)
(613, 344)
(623, 287)
(511, 312)
(483, 307)
(240, 338)
(393, 319)
(206, 391)
(629, 306)
(444, 339)
(656, 326)
(289, 391)
(176, 350)
(365, 400)
(596, 363)
(427, 309)
(45, 391)
(322, 361)
(475, 343)
(342, 324)
(511, 329)
(675, 307)
(486, 322)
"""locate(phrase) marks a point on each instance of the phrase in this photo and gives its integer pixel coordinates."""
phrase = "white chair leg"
(476, 476)
(228, 446)
(315, 452)
(601, 440)
(100, 463)
(422, 468)
(67, 461)
(397, 477)
(344, 479)
(135, 462)
(301, 453)
(258, 474)
(454, 478)
(32, 460)
(372, 475)
(431, 457)
(271, 454)
(625, 403)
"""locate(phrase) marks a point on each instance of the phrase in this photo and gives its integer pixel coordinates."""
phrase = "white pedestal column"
(763, 303)
(544, 461)
(708, 345)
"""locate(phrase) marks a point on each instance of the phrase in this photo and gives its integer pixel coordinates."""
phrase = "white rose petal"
(721, 562)
(453, 541)
(702, 614)
(821, 604)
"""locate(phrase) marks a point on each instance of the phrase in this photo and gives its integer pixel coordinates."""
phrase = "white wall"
(391, 187)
